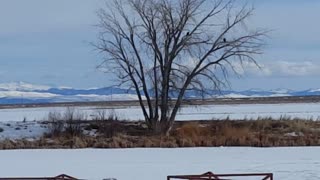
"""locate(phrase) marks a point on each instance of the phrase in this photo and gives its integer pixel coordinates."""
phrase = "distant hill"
(21, 93)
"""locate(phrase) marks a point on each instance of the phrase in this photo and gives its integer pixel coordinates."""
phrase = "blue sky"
(47, 42)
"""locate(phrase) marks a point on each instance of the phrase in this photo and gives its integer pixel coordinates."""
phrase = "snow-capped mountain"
(21, 86)
(21, 92)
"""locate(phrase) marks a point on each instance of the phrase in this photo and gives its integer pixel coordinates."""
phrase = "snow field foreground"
(154, 163)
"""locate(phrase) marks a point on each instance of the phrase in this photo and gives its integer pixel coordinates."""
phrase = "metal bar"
(59, 177)
(211, 176)
(251, 174)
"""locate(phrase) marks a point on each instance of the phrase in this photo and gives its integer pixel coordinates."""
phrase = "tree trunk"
(161, 127)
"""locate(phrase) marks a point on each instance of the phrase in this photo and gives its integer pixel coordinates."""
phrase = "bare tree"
(164, 48)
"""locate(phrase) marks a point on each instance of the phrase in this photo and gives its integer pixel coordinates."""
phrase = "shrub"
(1, 129)
(108, 124)
(112, 116)
(7, 144)
(103, 114)
(73, 122)
(67, 124)
(75, 142)
(99, 115)
(56, 124)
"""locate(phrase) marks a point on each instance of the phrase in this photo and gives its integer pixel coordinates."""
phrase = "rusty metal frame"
(211, 176)
(59, 177)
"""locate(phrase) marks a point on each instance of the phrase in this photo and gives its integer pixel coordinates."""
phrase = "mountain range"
(21, 92)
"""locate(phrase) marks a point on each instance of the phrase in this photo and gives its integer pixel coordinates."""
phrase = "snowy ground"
(204, 112)
(156, 164)
(26, 122)
(18, 130)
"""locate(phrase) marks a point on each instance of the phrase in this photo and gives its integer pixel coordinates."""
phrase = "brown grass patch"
(266, 132)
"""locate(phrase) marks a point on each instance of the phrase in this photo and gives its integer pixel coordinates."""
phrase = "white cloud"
(286, 68)
(278, 69)
(251, 68)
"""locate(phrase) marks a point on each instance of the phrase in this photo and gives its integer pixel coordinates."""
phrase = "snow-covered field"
(156, 164)
(26, 122)
(204, 112)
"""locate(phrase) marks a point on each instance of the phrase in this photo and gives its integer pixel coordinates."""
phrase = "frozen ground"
(18, 130)
(26, 122)
(204, 112)
(156, 164)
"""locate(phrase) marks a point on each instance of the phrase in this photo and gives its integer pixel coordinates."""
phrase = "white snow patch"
(19, 130)
(294, 134)
(22, 86)
(22, 94)
(314, 90)
(255, 90)
(233, 95)
(278, 95)
(202, 112)
(113, 97)
(280, 91)
(154, 163)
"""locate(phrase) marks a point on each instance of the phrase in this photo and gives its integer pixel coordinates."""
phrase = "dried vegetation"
(70, 130)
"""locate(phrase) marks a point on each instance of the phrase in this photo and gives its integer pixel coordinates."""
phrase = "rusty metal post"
(212, 176)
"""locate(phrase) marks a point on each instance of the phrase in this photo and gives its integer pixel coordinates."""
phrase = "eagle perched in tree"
(224, 40)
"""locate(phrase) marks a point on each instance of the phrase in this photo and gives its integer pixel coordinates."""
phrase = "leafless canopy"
(164, 48)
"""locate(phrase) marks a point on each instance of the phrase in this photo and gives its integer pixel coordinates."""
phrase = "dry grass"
(265, 132)
(68, 123)
(192, 130)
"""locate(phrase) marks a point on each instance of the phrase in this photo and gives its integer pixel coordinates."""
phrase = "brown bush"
(7, 144)
(192, 130)
(264, 132)
(232, 132)
(186, 142)
(101, 143)
(168, 142)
